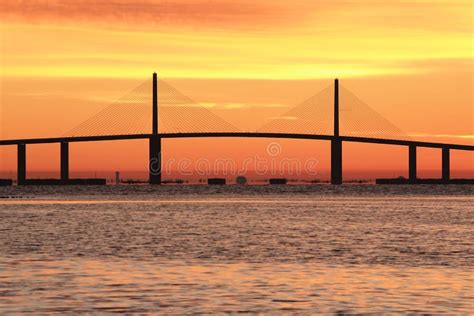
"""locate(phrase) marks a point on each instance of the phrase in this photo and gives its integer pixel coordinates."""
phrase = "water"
(274, 250)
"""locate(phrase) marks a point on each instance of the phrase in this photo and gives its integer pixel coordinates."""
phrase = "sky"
(62, 61)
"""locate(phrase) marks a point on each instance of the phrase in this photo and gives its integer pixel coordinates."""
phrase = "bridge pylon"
(336, 142)
(154, 164)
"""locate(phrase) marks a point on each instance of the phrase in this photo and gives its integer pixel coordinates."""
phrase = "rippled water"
(199, 249)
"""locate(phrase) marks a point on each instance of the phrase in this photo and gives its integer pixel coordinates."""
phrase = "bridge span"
(155, 138)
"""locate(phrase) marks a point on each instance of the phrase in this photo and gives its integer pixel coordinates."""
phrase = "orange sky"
(62, 61)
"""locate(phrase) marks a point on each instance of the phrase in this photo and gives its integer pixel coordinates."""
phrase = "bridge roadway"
(155, 150)
(236, 134)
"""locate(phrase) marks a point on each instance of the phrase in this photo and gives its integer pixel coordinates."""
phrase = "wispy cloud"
(286, 118)
(413, 15)
(148, 13)
(442, 136)
(301, 39)
(235, 105)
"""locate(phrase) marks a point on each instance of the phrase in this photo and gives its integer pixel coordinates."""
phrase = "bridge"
(275, 129)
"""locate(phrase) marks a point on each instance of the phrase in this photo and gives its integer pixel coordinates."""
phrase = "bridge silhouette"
(125, 121)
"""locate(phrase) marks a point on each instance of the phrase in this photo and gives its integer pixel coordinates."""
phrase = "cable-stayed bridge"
(155, 110)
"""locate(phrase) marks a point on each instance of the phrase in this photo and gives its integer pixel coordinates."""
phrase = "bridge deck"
(236, 134)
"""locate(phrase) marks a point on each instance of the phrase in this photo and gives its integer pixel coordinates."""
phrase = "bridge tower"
(154, 165)
(336, 142)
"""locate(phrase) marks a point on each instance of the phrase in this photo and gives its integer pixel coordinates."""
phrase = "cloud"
(236, 105)
(274, 15)
(145, 13)
(302, 39)
(286, 118)
(469, 137)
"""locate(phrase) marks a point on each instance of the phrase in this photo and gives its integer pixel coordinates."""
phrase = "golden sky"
(303, 39)
(412, 61)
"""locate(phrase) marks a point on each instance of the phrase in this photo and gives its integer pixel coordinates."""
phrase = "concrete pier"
(155, 160)
(64, 162)
(446, 174)
(336, 161)
(21, 164)
(412, 164)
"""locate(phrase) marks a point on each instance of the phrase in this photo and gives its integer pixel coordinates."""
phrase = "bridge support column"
(412, 164)
(64, 162)
(336, 161)
(154, 166)
(336, 143)
(446, 165)
(21, 164)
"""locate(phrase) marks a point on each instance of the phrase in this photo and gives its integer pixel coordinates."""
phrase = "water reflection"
(199, 251)
(84, 285)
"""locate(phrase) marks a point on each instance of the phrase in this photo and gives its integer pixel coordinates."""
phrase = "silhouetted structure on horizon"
(278, 181)
(6, 182)
(216, 181)
(155, 154)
